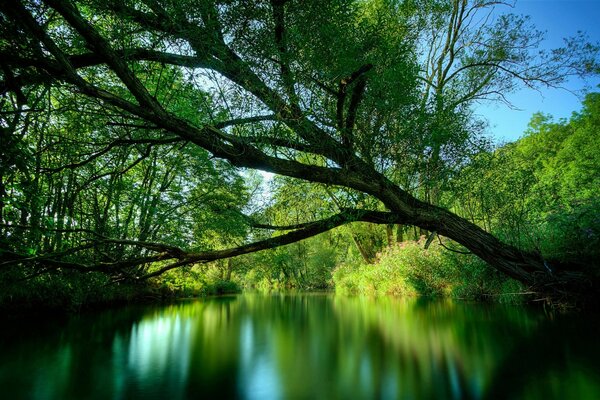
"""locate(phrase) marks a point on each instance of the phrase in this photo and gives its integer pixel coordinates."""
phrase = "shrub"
(408, 269)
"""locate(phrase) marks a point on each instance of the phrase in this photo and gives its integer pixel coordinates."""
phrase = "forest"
(158, 149)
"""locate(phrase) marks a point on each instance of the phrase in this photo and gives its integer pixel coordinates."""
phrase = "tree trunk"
(399, 233)
(229, 269)
(389, 230)
(366, 256)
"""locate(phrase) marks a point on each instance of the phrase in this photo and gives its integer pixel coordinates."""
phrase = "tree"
(328, 92)
(541, 192)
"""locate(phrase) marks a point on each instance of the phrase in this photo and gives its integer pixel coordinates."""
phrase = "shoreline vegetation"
(89, 293)
(404, 270)
(408, 269)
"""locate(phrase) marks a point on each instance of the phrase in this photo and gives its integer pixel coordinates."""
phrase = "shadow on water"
(561, 360)
(294, 346)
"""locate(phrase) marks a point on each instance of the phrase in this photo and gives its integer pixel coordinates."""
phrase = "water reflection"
(304, 346)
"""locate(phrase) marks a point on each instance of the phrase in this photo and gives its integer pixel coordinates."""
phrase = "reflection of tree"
(305, 346)
(386, 348)
(299, 334)
(62, 357)
(556, 362)
(436, 350)
(214, 348)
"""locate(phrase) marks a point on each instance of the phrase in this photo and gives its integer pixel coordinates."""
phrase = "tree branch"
(357, 94)
(345, 127)
(278, 7)
(103, 49)
(305, 231)
(168, 252)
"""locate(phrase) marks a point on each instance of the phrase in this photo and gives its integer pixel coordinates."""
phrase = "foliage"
(194, 282)
(304, 265)
(410, 270)
(541, 192)
(126, 127)
(73, 292)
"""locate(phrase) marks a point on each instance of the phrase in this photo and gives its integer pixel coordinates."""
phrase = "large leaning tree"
(368, 97)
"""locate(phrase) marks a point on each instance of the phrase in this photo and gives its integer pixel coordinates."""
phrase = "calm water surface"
(310, 346)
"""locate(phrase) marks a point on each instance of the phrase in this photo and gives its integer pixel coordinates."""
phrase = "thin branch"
(343, 126)
(109, 147)
(281, 142)
(247, 120)
(449, 249)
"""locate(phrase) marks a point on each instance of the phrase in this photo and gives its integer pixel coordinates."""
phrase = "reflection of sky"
(157, 353)
(258, 374)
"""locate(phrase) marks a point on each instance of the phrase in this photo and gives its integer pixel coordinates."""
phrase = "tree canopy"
(127, 126)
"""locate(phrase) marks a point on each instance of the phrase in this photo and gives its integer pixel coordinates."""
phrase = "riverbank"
(82, 293)
(407, 269)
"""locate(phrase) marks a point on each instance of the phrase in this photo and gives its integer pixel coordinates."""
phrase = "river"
(303, 346)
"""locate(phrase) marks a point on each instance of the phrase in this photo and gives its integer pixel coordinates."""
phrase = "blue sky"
(559, 19)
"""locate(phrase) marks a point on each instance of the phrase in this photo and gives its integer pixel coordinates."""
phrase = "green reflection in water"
(256, 346)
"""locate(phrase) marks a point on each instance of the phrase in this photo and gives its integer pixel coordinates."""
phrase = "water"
(311, 346)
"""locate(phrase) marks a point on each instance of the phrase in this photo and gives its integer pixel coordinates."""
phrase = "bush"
(71, 291)
(408, 269)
